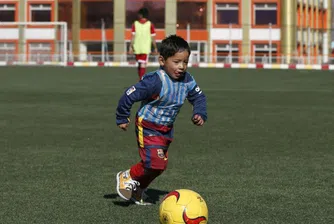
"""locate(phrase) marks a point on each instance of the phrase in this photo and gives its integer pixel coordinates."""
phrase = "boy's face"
(176, 65)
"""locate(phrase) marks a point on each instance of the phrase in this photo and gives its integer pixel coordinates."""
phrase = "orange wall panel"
(298, 16)
(304, 17)
(325, 19)
(314, 18)
(95, 34)
(192, 0)
(310, 24)
(194, 34)
(320, 21)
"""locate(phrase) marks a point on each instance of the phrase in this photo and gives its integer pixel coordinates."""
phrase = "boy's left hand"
(197, 120)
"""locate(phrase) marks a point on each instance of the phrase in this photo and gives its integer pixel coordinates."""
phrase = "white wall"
(226, 34)
(255, 34)
(265, 34)
(9, 34)
(30, 34)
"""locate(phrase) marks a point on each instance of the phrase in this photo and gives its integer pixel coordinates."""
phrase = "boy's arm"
(197, 98)
(133, 33)
(145, 89)
(153, 34)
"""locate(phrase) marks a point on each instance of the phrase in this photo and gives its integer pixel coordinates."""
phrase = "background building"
(218, 30)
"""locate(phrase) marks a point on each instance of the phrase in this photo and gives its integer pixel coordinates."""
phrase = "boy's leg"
(142, 61)
(153, 146)
(154, 162)
(139, 176)
(145, 174)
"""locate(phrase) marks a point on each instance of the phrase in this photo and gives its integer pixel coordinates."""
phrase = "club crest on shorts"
(161, 153)
(130, 90)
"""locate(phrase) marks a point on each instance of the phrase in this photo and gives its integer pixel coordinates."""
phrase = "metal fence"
(194, 59)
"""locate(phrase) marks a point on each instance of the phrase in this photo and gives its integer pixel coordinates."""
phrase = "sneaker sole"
(117, 187)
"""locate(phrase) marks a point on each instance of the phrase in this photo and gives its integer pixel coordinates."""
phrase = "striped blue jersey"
(161, 98)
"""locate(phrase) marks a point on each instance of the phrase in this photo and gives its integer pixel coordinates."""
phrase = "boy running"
(162, 94)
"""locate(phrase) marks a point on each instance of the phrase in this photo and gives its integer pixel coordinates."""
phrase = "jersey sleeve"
(146, 89)
(198, 99)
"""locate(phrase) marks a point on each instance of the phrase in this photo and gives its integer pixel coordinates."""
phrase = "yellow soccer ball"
(183, 206)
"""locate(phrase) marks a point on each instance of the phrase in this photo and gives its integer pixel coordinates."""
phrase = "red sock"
(141, 72)
(142, 175)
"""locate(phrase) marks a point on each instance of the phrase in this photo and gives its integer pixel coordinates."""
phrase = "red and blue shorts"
(153, 142)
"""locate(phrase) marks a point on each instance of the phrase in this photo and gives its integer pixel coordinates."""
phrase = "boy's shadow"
(153, 194)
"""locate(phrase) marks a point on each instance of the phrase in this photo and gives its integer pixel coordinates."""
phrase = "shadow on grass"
(153, 194)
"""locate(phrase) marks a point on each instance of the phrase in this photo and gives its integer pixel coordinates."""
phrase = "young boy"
(162, 94)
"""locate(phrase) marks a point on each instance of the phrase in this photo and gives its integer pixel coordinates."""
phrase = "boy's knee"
(143, 65)
(157, 164)
(153, 158)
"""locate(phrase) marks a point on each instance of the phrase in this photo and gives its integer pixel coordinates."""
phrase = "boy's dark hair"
(143, 12)
(172, 45)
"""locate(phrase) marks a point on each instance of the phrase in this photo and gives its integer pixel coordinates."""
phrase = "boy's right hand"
(124, 127)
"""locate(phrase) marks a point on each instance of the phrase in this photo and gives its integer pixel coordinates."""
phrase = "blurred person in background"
(143, 36)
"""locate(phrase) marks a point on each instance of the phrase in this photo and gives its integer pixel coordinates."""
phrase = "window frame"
(214, 47)
(52, 48)
(278, 10)
(29, 10)
(214, 12)
(278, 49)
(15, 4)
(15, 42)
(200, 51)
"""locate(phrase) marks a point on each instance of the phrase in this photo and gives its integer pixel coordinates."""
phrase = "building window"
(264, 14)
(96, 13)
(227, 53)
(197, 52)
(227, 13)
(7, 13)
(156, 12)
(40, 12)
(7, 51)
(196, 19)
(65, 13)
(264, 53)
(40, 52)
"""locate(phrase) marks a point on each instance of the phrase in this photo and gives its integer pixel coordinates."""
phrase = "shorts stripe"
(140, 132)
(148, 158)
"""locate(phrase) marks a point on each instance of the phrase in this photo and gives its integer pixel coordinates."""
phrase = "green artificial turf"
(266, 154)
